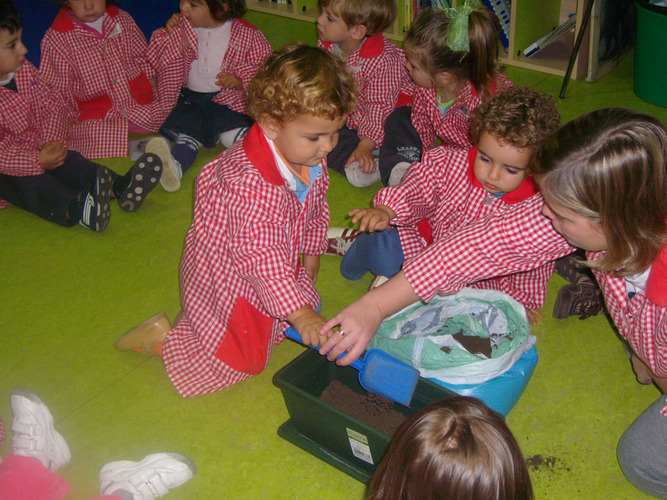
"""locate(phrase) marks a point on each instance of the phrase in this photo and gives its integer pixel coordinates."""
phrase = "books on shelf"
(551, 37)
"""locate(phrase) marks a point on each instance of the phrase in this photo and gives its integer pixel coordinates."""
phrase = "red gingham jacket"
(241, 273)
(28, 118)
(452, 128)
(103, 78)
(378, 66)
(173, 54)
(443, 192)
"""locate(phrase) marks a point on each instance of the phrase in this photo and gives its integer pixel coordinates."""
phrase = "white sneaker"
(340, 239)
(153, 477)
(398, 172)
(171, 170)
(33, 432)
(361, 179)
(227, 139)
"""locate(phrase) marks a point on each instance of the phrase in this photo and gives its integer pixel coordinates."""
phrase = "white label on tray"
(359, 445)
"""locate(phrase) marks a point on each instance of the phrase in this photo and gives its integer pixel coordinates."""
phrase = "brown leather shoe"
(145, 335)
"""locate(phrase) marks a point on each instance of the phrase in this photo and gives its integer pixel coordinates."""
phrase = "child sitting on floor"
(452, 58)
(454, 449)
(207, 57)
(453, 186)
(259, 208)
(353, 29)
(37, 171)
(94, 55)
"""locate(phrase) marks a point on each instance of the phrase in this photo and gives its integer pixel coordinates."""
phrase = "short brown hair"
(375, 15)
(519, 116)
(453, 449)
(299, 79)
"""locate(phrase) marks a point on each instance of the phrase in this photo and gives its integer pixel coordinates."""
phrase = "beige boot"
(144, 336)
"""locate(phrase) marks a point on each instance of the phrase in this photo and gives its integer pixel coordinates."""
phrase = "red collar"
(656, 285)
(372, 47)
(259, 153)
(525, 190)
(64, 21)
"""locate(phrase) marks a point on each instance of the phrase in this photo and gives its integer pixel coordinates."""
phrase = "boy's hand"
(172, 22)
(308, 323)
(229, 81)
(312, 265)
(364, 155)
(52, 155)
(372, 219)
(533, 316)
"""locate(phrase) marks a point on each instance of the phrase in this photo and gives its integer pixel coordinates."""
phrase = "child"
(353, 29)
(38, 450)
(452, 58)
(453, 186)
(454, 449)
(37, 171)
(94, 55)
(603, 178)
(258, 207)
(209, 56)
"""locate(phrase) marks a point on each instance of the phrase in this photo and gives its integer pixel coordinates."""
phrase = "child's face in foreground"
(579, 231)
(500, 167)
(331, 28)
(12, 52)
(198, 13)
(87, 11)
(305, 140)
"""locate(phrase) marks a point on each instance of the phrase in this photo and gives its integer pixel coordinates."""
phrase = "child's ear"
(444, 78)
(358, 31)
(269, 126)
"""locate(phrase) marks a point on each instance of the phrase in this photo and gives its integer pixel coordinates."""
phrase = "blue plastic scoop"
(380, 373)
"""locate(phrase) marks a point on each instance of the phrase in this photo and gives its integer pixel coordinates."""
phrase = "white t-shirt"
(212, 46)
(637, 282)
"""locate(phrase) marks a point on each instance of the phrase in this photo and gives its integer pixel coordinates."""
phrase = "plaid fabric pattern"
(85, 66)
(378, 66)
(173, 54)
(452, 128)
(28, 118)
(441, 190)
(244, 244)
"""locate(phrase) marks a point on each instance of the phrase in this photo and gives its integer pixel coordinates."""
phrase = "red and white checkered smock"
(452, 128)
(104, 79)
(172, 55)
(241, 273)
(443, 192)
(378, 66)
(29, 118)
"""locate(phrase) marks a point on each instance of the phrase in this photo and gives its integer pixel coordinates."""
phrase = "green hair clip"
(457, 38)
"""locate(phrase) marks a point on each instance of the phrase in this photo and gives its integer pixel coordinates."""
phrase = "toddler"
(205, 58)
(259, 208)
(37, 171)
(353, 29)
(453, 186)
(94, 55)
(454, 449)
(452, 58)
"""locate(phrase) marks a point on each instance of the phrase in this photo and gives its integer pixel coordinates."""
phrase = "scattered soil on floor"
(369, 408)
(545, 463)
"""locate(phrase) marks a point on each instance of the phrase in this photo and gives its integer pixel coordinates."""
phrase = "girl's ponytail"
(481, 60)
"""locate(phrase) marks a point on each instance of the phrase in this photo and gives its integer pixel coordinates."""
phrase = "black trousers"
(401, 142)
(348, 140)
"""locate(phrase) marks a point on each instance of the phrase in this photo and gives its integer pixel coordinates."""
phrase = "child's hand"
(172, 22)
(312, 265)
(533, 316)
(52, 155)
(308, 323)
(372, 219)
(364, 155)
(228, 81)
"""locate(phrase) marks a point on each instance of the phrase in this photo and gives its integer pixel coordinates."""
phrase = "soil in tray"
(369, 408)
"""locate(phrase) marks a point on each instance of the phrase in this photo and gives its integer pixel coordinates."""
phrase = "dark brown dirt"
(474, 344)
(369, 408)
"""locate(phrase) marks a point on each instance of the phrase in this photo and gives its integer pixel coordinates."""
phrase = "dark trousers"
(401, 142)
(348, 140)
(54, 195)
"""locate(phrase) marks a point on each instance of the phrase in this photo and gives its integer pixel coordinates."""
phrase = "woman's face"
(576, 229)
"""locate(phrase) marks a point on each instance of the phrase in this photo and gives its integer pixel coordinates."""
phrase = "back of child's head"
(431, 36)
(298, 80)
(519, 116)
(10, 19)
(456, 449)
(609, 166)
(375, 15)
